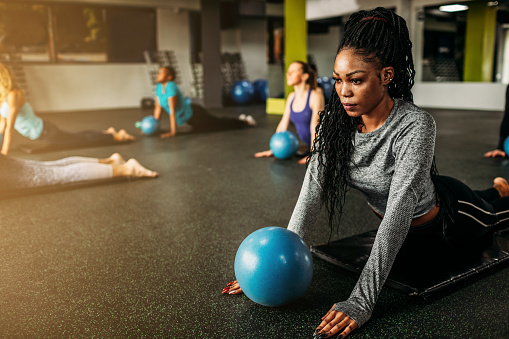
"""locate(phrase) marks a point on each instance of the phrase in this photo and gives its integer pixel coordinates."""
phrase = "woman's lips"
(349, 107)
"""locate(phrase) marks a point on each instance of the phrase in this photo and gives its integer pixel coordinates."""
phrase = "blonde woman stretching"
(17, 114)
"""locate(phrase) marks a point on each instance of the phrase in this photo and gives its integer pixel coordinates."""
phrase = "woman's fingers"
(303, 161)
(263, 154)
(494, 153)
(335, 323)
(232, 288)
(331, 309)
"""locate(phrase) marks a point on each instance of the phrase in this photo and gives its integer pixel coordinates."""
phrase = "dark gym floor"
(149, 258)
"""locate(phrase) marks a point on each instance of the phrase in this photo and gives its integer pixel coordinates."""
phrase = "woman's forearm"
(7, 141)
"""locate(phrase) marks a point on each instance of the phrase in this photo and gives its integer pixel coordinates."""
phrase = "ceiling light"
(453, 8)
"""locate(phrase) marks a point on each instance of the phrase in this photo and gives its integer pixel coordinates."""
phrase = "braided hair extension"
(379, 37)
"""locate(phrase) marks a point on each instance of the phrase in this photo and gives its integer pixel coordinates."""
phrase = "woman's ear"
(387, 75)
(305, 76)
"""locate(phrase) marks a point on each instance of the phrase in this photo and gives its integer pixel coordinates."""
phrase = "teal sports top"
(183, 110)
(27, 123)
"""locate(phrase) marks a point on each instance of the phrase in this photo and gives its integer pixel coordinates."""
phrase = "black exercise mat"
(422, 267)
(22, 192)
(43, 147)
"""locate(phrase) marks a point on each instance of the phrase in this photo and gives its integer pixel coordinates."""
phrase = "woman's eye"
(356, 81)
(336, 80)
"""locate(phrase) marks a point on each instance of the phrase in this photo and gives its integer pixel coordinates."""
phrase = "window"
(24, 31)
(63, 33)
(80, 33)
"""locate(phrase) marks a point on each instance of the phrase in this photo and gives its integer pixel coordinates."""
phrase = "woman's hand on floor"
(303, 161)
(263, 154)
(232, 288)
(168, 135)
(495, 153)
(335, 323)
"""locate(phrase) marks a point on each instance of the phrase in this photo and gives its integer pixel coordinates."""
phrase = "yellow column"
(479, 42)
(295, 36)
(296, 30)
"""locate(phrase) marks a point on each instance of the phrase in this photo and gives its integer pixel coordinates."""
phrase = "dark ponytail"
(310, 71)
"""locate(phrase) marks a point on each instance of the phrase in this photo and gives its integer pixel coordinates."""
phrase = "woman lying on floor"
(17, 114)
(170, 100)
(372, 137)
(21, 173)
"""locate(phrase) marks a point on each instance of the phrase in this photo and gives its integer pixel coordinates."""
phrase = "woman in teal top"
(17, 114)
(170, 100)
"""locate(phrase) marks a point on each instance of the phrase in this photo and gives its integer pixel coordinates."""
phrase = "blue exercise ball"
(327, 85)
(242, 92)
(506, 146)
(148, 125)
(273, 266)
(284, 144)
(261, 88)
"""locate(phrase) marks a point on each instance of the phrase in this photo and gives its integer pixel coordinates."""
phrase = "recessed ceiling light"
(453, 8)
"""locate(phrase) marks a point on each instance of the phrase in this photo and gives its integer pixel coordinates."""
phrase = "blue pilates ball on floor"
(327, 85)
(284, 144)
(261, 88)
(242, 92)
(506, 146)
(149, 125)
(273, 266)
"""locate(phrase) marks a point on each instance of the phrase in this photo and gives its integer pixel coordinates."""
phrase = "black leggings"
(203, 121)
(51, 134)
(473, 213)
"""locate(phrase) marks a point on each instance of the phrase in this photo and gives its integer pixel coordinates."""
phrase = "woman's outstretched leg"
(114, 159)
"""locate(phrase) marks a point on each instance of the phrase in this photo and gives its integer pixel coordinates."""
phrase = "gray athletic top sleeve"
(391, 167)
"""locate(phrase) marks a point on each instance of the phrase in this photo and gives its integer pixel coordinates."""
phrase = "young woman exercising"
(169, 99)
(17, 114)
(302, 105)
(373, 138)
(20, 173)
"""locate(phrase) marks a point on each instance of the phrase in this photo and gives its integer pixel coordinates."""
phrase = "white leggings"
(20, 173)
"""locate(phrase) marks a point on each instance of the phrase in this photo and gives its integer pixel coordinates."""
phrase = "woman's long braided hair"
(380, 37)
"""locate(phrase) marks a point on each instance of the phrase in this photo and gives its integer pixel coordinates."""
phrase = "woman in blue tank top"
(17, 114)
(302, 105)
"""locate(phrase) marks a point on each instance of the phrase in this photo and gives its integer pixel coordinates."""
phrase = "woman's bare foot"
(110, 130)
(122, 135)
(501, 185)
(133, 168)
(114, 159)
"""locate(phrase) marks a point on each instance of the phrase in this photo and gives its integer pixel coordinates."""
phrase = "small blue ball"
(284, 144)
(242, 92)
(273, 266)
(327, 85)
(506, 146)
(261, 88)
(149, 125)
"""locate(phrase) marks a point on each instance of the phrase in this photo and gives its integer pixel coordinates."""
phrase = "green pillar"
(480, 42)
(296, 30)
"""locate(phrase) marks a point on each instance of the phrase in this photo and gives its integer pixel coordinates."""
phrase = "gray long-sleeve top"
(391, 167)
